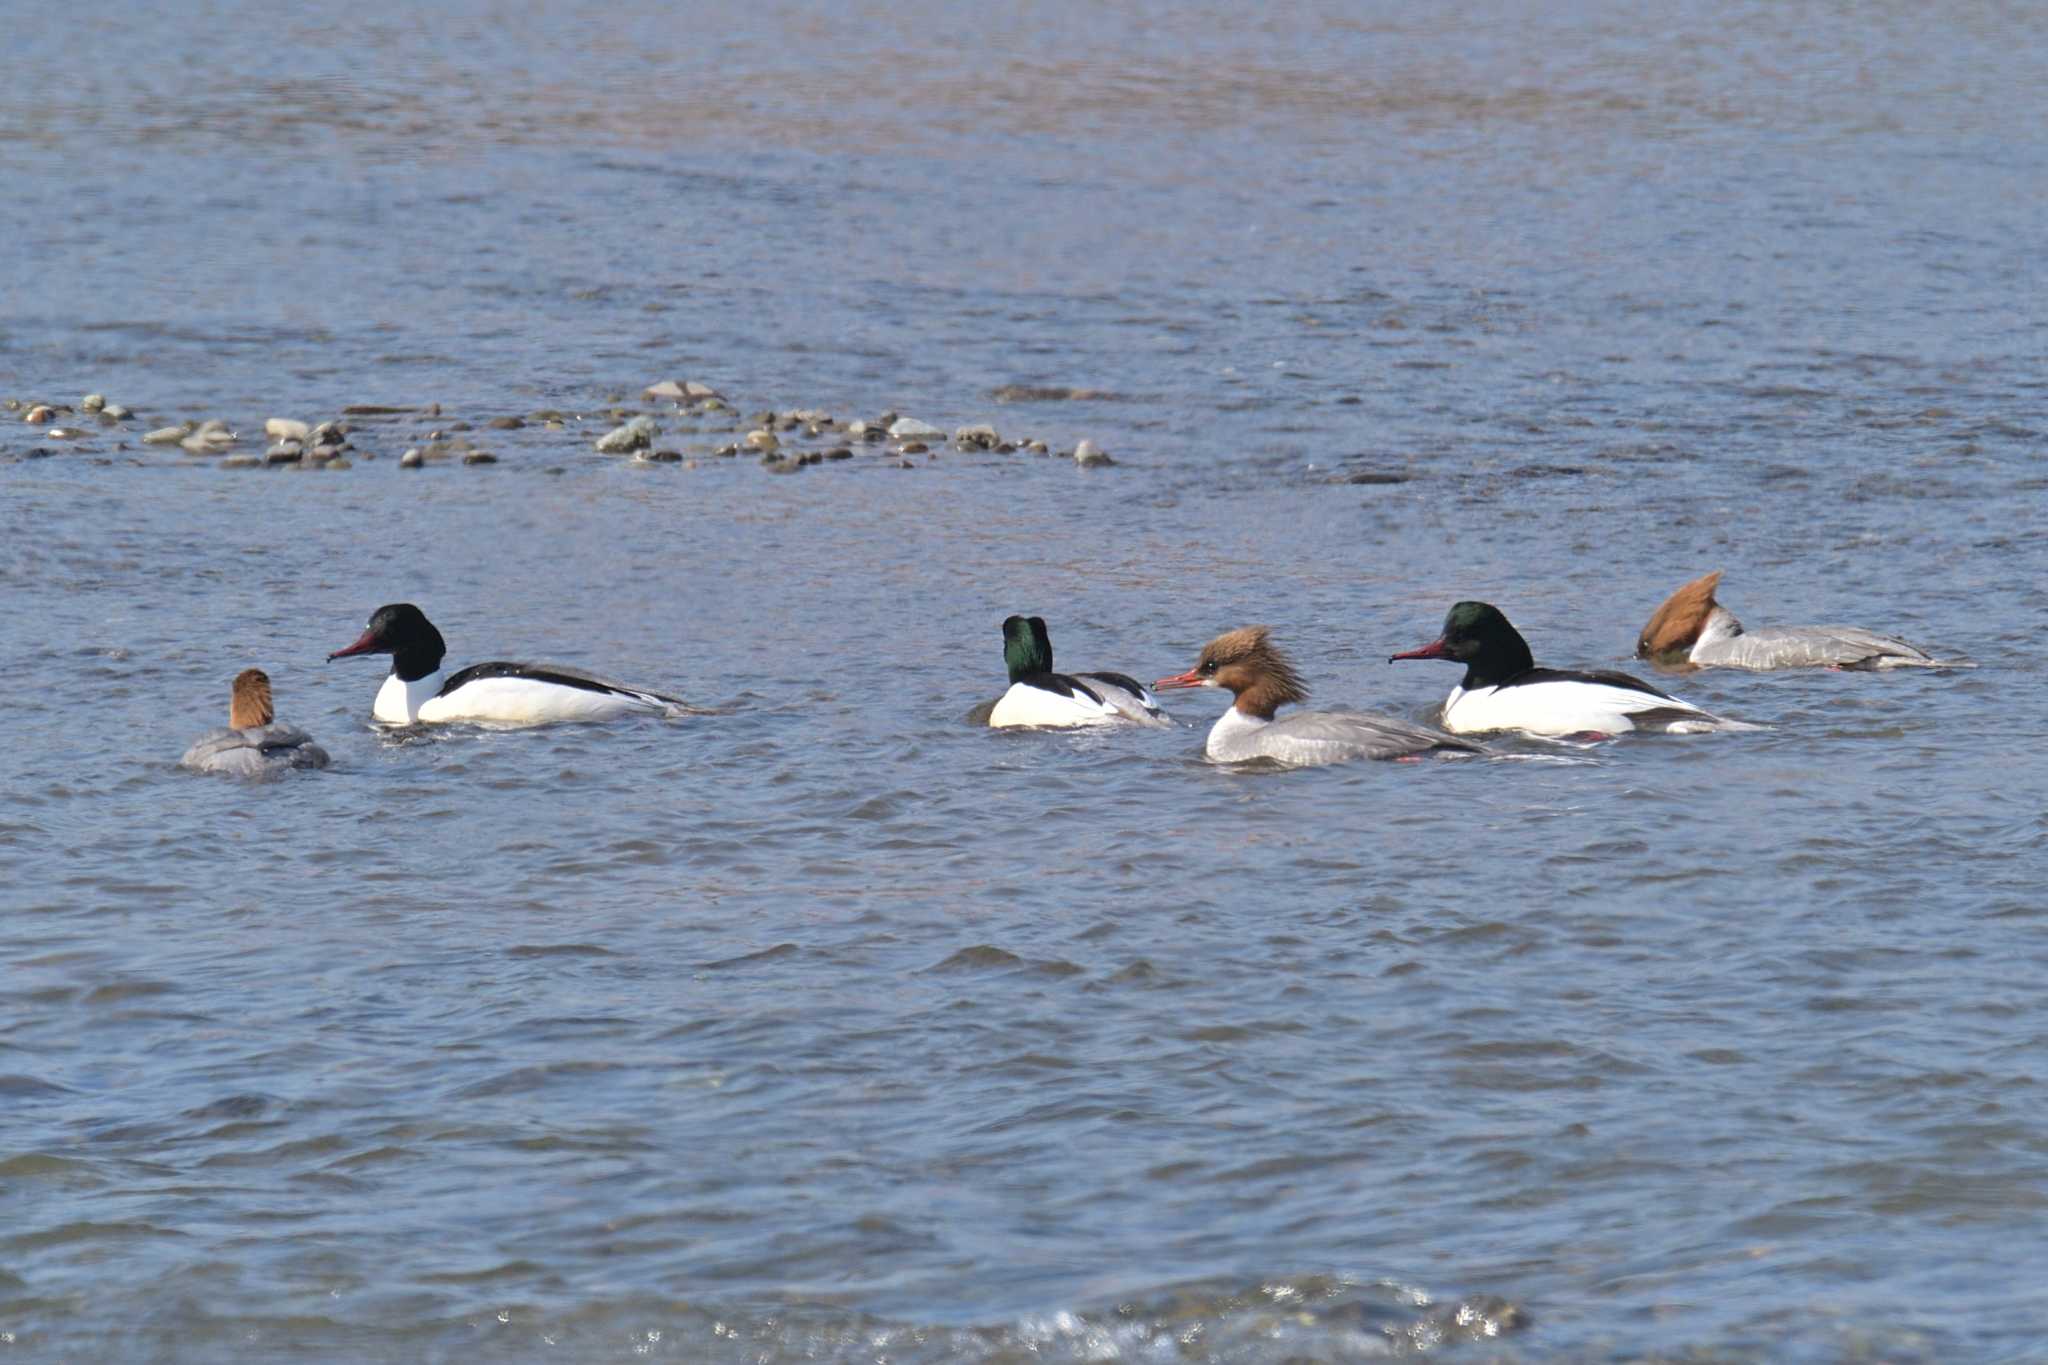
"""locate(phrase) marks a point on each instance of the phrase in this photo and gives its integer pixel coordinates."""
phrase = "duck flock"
(1503, 689)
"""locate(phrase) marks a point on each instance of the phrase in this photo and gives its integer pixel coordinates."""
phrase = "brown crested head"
(1247, 662)
(1676, 625)
(251, 705)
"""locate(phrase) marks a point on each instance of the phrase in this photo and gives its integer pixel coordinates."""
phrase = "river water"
(828, 1027)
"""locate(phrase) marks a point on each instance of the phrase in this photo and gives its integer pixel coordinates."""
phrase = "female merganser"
(1039, 696)
(492, 693)
(254, 745)
(1692, 628)
(1503, 688)
(1263, 679)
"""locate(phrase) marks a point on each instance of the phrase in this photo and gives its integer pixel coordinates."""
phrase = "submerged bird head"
(1251, 666)
(251, 703)
(1027, 649)
(1478, 636)
(1674, 628)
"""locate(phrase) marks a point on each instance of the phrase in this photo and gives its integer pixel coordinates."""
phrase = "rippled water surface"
(829, 1027)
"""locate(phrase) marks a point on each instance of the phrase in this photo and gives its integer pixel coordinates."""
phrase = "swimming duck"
(1692, 628)
(494, 693)
(1503, 689)
(1261, 680)
(253, 745)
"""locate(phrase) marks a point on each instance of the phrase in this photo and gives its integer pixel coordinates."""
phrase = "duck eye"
(1208, 667)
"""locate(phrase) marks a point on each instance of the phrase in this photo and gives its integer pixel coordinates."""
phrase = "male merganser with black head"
(417, 692)
(1263, 680)
(1503, 689)
(1692, 628)
(254, 745)
(1038, 696)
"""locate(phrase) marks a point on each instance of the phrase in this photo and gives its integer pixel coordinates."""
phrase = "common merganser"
(253, 745)
(491, 693)
(1040, 697)
(1263, 680)
(1692, 628)
(1503, 689)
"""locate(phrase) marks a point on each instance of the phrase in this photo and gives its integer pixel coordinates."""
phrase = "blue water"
(827, 1026)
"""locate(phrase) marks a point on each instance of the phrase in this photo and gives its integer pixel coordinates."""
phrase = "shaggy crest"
(251, 705)
(1674, 626)
(1247, 662)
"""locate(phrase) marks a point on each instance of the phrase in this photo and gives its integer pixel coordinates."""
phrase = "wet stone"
(763, 440)
(636, 434)
(506, 423)
(839, 453)
(668, 391)
(912, 448)
(41, 412)
(285, 452)
(93, 402)
(661, 456)
(412, 459)
(166, 436)
(240, 462)
(479, 457)
(114, 412)
(285, 429)
(1088, 455)
(981, 436)
(911, 428)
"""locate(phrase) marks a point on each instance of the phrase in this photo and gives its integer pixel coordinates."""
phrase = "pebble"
(285, 429)
(412, 459)
(839, 453)
(63, 433)
(979, 437)
(634, 435)
(1088, 455)
(780, 464)
(667, 390)
(763, 440)
(284, 450)
(912, 448)
(1037, 447)
(114, 412)
(479, 457)
(506, 423)
(910, 427)
(375, 410)
(659, 456)
(728, 449)
(93, 402)
(41, 412)
(240, 462)
(210, 438)
(700, 393)
(164, 436)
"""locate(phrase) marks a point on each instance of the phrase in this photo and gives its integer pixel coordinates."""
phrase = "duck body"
(1262, 679)
(254, 744)
(1690, 627)
(1503, 689)
(254, 751)
(1039, 697)
(1550, 702)
(419, 692)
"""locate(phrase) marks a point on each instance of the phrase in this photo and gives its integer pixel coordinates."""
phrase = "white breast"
(1560, 708)
(1024, 704)
(399, 702)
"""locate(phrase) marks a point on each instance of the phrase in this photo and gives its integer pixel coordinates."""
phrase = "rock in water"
(637, 434)
(1087, 455)
(909, 428)
(285, 429)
